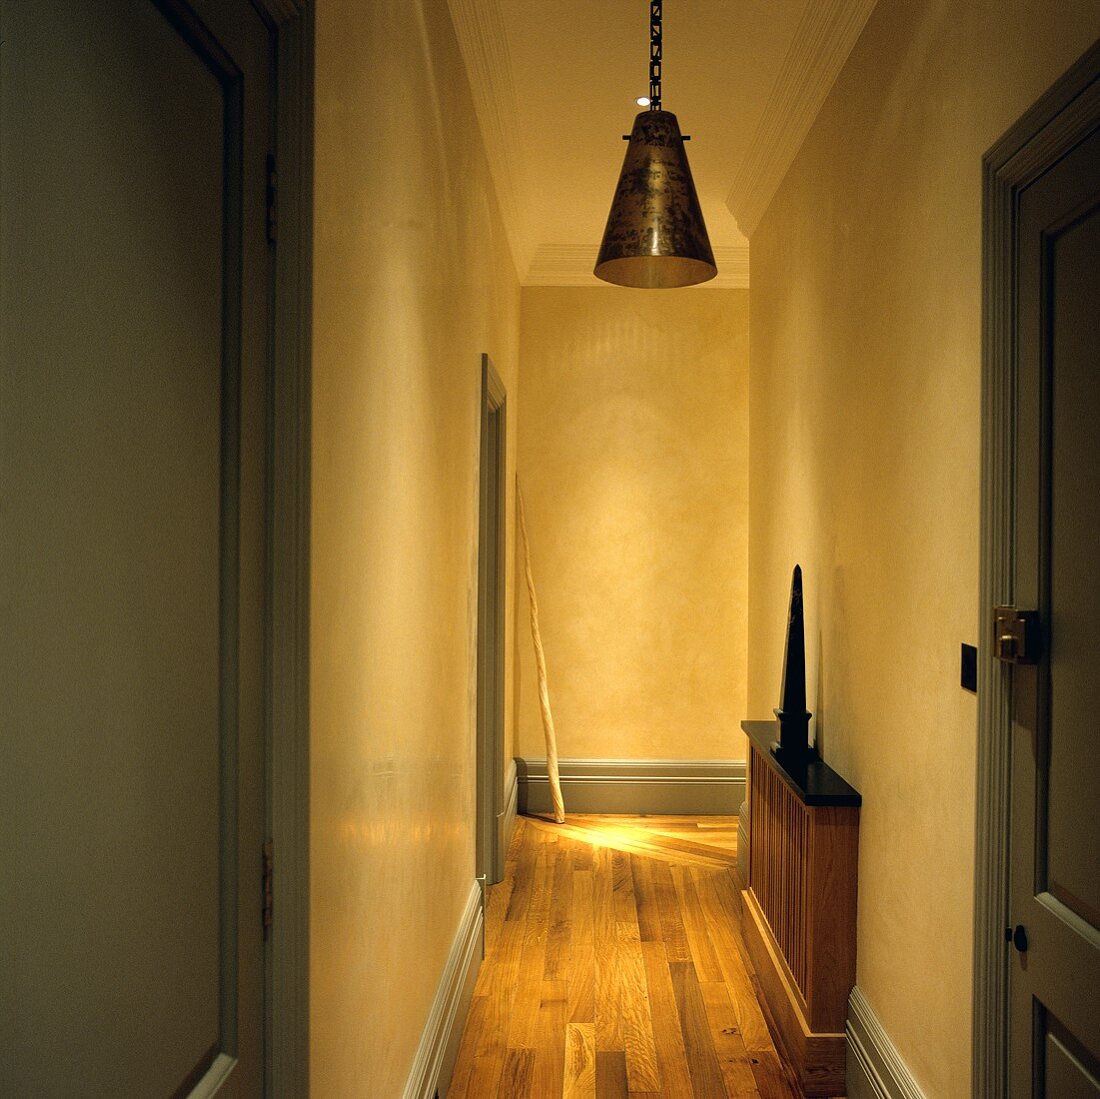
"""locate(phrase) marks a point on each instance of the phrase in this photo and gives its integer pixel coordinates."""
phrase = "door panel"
(1068, 1070)
(133, 352)
(1073, 866)
(1055, 841)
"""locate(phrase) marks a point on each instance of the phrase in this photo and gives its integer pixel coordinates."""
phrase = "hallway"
(614, 967)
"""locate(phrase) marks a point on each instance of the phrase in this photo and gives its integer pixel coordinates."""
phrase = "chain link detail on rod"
(655, 55)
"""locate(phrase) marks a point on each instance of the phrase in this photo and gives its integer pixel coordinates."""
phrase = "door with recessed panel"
(1054, 910)
(134, 321)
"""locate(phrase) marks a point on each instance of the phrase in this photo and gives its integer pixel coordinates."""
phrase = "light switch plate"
(969, 668)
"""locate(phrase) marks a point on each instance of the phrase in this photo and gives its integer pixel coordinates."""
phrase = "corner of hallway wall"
(413, 280)
(865, 418)
(633, 456)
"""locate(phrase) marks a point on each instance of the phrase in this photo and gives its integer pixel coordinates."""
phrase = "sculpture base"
(794, 757)
(794, 737)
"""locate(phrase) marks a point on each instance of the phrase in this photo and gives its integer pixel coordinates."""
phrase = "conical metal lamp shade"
(655, 236)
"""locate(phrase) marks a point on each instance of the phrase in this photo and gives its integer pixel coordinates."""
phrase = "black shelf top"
(813, 781)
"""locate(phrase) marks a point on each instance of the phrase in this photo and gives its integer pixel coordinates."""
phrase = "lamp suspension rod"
(655, 55)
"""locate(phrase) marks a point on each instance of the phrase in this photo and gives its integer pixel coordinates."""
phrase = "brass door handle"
(1016, 635)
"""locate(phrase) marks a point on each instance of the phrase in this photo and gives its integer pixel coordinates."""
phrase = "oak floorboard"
(582, 967)
(582, 983)
(496, 906)
(622, 888)
(609, 1028)
(488, 1062)
(559, 936)
(772, 1081)
(736, 969)
(673, 933)
(603, 897)
(538, 906)
(469, 1047)
(580, 1061)
(553, 1022)
(642, 1073)
(523, 879)
(695, 926)
(645, 900)
(584, 856)
(706, 1075)
(523, 1027)
(518, 1076)
(500, 970)
(611, 1074)
(667, 1035)
(608, 997)
(733, 1058)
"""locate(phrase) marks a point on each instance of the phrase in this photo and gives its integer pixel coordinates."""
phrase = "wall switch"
(969, 667)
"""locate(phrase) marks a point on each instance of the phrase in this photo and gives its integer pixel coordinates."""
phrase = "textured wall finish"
(412, 282)
(633, 456)
(866, 343)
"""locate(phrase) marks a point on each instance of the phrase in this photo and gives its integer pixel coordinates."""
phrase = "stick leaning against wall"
(540, 664)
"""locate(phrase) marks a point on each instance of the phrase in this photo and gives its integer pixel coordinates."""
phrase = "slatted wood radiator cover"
(799, 910)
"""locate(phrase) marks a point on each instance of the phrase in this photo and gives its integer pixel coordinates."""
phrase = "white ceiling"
(554, 86)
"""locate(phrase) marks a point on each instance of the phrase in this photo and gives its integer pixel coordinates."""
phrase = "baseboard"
(506, 821)
(815, 1057)
(875, 1069)
(701, 786)
(435, 1056)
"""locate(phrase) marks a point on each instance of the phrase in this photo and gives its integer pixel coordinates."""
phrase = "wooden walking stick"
(540, 663)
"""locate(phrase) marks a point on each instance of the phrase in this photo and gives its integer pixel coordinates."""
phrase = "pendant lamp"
(655, 236)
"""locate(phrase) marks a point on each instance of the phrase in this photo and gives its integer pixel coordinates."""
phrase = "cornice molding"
(821, 45)
(479, 28)
(571, 265)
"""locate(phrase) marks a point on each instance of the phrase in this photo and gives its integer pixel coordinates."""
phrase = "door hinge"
(268, 887)
(272, 199)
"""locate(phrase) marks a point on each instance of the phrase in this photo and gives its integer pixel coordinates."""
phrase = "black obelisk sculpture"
(794, 718)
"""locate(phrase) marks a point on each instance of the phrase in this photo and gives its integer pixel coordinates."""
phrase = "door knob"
(1018, 937)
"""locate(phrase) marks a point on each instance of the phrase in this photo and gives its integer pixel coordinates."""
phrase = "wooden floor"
(614, 968)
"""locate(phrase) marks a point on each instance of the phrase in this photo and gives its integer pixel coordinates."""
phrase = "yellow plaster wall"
(412, 282)
(633, 461)
(865, 389)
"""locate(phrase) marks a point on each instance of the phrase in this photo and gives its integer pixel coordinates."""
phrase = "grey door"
(490, 628)
(1055, 775)
(133, 352)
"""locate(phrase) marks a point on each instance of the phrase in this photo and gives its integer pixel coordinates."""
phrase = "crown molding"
(571, 265)
(479, 28)
(821, 45)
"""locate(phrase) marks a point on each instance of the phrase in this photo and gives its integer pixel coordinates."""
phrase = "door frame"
(1057, 122)
(286, 999)
(490, 625)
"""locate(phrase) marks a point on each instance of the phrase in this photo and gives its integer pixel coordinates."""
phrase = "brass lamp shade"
(655, 236)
